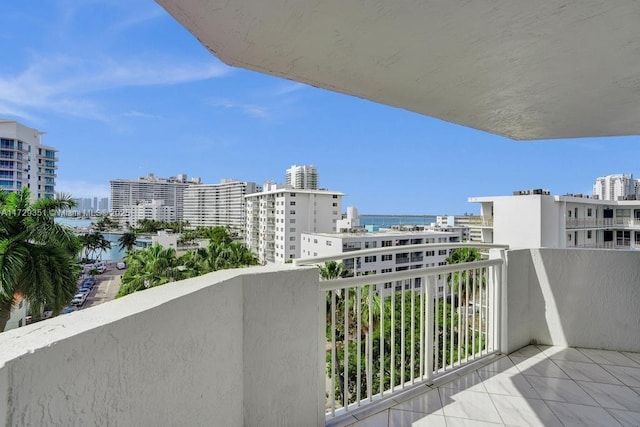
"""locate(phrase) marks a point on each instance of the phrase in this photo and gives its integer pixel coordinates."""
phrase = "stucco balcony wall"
(231, 348)
(574, 298)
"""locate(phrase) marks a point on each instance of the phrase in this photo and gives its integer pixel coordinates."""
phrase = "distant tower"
(302, 177)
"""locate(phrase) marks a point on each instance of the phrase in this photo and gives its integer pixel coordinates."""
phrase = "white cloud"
(62, 83)
(253, 110)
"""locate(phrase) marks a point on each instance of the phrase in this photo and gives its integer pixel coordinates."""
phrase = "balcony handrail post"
(430, 329)
(501, 300)
(322, 355)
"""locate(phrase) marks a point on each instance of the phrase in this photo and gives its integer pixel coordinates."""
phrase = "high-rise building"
(278, 215)
(25, 161)
(103, 204)
(154, 210)
(616, 187)
(302, 177)
(126, 193)
(223, 204)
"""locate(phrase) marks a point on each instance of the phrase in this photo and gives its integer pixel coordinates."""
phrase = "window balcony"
(266, 345)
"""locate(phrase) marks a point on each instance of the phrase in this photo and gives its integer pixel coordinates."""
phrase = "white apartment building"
(25, 161)
(616, 187)
(569, 221)
(223, 204)
(302, 177)
(278, 215)
(402, 253)
(126, 193)
(154, 210)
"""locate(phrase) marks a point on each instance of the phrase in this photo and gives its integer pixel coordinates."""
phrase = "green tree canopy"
(37, 255)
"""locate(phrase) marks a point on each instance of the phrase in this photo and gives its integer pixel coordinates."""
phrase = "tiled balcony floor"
(535, 386)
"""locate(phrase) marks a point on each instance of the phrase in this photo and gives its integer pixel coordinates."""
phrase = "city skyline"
(123, 90)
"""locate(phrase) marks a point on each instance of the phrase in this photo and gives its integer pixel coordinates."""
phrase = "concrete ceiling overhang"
(523, 69)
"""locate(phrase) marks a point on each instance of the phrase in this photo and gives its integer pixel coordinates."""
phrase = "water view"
(82, 224)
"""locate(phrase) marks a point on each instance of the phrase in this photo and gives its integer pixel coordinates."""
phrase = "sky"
(121, 89)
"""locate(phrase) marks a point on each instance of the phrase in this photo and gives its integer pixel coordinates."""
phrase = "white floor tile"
(520, 411)
(468, 404)
(538, 367)
(529, 351)
(427, 403)
(503, 364)
(626, 418)
(414, 419)
(606, 357)
(565, 353)
(511, 384)
(587, 372)
(571, 414)
(381, 419)
(633, 356)
(629, 376)
(463, 422)
(612, 396)
(561, 390)
(469, 382)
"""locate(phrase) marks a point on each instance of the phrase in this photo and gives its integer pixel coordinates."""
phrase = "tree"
(93, 243)
(334, 270)
(148, 268)
(127, 241)
(37, 255)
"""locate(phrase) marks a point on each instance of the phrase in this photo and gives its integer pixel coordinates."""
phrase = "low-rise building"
(534, 220)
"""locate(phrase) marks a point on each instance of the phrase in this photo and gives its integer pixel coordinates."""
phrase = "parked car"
(69, 309)
(79, 299)
(121, 266)
(84, 291)
(101, 269)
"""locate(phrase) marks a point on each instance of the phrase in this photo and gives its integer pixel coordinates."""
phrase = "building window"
(569, 213)
(388, 257)
(292, 247)
(292, 230)
(589, 211)
(335, 196)
(292, 194)
(335, 205)
(371, 258)
(292, 212)
(442, 252)
(292, 221)
(386, 243)
(329, 242)
(430, 253)
(315, 240)
(292, 203)
(588, 234)
(292, 238)
(370, 245)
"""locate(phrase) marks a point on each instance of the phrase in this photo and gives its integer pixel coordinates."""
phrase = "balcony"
(250, 346)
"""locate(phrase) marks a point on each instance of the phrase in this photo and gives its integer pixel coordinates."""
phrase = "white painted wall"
(517, 221)
(576, 298)
(232, 348)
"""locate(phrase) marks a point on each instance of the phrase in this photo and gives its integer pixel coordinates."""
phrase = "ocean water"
(115, 253)
(389, 220)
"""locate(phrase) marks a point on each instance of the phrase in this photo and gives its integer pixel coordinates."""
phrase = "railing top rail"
(394, 249)
(329, 285)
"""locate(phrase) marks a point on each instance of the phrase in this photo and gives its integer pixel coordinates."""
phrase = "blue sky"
(121, 89)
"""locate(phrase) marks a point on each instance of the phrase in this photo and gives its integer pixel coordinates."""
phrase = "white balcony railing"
(385, 333)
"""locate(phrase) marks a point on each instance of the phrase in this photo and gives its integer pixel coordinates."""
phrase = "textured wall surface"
(206, 351)
(576, 298)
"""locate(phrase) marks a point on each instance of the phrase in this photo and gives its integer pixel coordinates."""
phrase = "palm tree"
(127, 241)
(94, 242)
(37, 255)
(148, 268)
